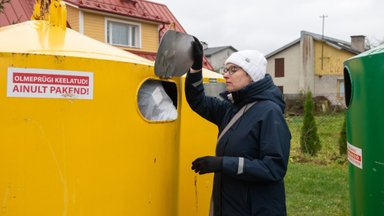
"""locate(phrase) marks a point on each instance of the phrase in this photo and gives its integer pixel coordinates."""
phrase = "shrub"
(309, 139)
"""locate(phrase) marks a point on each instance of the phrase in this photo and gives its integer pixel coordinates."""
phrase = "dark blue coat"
(260, 137)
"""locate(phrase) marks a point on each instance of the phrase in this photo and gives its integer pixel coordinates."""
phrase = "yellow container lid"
(39, 37)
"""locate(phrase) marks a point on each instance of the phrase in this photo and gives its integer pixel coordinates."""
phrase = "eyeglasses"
(231, 70)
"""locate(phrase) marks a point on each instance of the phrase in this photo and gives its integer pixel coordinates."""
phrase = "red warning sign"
(355, 155)
(43, 83)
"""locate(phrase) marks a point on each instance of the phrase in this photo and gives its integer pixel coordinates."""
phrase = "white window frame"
(81, 22)
(138, 33)
(340, 88)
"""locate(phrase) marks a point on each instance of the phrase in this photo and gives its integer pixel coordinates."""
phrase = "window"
(123, 33)
(340, 83)
(279, 67)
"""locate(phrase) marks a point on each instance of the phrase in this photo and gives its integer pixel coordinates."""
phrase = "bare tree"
(373, 41)
(2, 3)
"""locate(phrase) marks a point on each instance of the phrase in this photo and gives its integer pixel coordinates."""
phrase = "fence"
(324, 104)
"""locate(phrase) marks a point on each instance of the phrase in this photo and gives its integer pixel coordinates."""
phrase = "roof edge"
(283, 48)
(80, 5)
(219, 49)
(343, 45)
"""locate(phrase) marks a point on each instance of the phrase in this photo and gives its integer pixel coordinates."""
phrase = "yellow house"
(313, 62)
(127, 24)
(132, 25)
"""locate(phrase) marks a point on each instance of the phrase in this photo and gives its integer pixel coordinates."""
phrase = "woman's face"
(235, 77)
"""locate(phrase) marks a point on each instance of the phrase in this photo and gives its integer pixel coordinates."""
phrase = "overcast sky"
(270, 24)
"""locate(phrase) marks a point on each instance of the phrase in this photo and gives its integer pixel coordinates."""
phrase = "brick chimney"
(358, 42)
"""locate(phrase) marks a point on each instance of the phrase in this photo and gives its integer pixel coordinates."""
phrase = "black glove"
(207, 164)
(197, 54)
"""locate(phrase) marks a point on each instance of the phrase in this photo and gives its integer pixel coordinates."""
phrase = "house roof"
(163, 11)
(132, 8)
(212, 50)
(338, 44)
(21, 10)
(16, 11)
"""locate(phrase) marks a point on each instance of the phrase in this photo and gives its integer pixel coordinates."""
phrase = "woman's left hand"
(207, 164)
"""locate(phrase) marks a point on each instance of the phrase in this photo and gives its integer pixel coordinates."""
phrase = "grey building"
(313, 62)
(217, 56)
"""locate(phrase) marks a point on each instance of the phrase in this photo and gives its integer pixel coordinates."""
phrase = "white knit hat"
(251, 61)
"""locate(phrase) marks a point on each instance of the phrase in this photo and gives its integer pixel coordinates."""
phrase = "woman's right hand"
(197, 54)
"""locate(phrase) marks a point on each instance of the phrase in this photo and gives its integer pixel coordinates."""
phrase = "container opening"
(347, 87)
(157, 100)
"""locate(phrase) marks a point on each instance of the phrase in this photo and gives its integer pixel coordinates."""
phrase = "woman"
(252, 153)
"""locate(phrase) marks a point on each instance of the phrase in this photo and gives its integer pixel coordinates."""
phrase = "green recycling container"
(364, 96)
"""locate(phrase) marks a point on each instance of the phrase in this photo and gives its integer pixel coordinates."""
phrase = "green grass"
(313, 189)
(328, 128)
(317, 185)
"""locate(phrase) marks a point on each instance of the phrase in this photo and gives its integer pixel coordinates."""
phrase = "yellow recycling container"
(89, 129)
(73, 140)
(197, 139)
